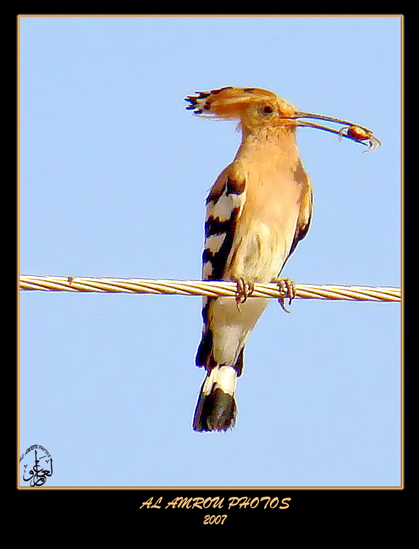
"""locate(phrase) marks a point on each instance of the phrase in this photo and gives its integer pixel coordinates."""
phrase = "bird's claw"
(244, 290)
(287, 288)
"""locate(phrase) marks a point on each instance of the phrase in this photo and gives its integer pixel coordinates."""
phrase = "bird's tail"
(216, 408)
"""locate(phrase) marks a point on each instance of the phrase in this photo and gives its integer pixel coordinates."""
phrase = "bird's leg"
(244, 290)
(287, 288)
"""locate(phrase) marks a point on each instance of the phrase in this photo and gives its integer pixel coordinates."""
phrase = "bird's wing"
(306, 206)
(224, 206)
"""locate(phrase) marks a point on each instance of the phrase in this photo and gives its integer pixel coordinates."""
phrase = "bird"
(257, 211)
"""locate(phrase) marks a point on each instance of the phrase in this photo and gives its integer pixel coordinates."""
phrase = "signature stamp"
(36, 465)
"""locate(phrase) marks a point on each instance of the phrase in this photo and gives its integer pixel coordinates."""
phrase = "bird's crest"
(228, 102)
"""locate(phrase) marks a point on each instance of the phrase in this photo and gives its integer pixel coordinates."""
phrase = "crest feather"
(228, 102)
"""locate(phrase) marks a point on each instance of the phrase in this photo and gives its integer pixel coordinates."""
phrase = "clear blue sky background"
(113, 177)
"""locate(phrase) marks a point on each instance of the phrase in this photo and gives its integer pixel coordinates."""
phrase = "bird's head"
(257, 108)
(253, 107)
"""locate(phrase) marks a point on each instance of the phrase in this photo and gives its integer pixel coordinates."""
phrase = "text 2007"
(214, 519)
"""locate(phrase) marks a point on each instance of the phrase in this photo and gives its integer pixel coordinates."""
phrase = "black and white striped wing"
(224, 206)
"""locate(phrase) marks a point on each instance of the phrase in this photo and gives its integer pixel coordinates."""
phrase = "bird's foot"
(287, 288)
(244, 290)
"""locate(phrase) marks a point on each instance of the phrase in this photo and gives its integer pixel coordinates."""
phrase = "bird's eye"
(267, 109)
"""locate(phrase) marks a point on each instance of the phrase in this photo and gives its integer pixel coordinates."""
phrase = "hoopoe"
(257, 211)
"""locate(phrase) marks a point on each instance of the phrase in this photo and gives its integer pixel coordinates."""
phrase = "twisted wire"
(203, 288)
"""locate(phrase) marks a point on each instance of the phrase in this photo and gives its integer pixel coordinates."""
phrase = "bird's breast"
(266, 228)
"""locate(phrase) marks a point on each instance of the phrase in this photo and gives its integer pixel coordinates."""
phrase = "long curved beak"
(349, 130)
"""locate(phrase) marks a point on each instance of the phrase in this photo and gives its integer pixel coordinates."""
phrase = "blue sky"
(113, 178)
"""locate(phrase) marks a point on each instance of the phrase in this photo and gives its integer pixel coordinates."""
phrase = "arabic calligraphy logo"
(37, 469)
